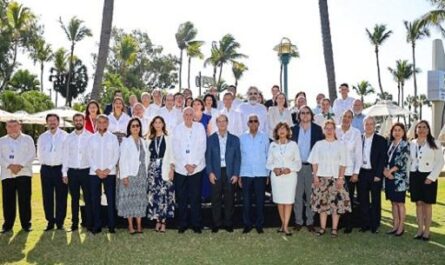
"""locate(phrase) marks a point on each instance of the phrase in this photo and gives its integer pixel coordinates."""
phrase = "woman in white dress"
(278, 113)
(284, 161)
(329, 196)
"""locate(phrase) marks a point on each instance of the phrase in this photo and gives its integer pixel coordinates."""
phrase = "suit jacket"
(379, 149)
(233, 156)
(316, 133)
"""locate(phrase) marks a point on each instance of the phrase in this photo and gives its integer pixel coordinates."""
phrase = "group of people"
(176, 150)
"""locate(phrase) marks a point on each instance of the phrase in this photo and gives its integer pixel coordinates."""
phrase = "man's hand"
(212, 178)
(234, 179)
(354, 178)
(65, 179)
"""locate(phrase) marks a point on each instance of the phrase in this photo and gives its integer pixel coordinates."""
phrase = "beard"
(78, 127)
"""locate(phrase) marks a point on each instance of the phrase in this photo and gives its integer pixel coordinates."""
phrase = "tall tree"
(186, 33)
(379, 35)
(228, 52)
(402, 72)
(422, 100)
(18, 29)
(105, 36)
(75, 31)
(23, 80)
(436, 16)
(126, 53)
(363, 88)
(327, 48)
(193, 51)
(213, 60)
(415, 30)
(41, 53)
(238, 70)
(59, 70)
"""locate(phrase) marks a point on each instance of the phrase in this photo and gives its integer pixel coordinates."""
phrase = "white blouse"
(329, 156)
(274, 116)
(352, 139)
(284, 156)
(120, 125)
(426, 159)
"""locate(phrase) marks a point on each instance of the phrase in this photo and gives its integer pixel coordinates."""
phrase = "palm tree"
(402, 72)
(327, 48)
(213, 60)
(415, 30)
(75, 31)
(377, 38)
(42, 53)
(126, 53)
(436, 16)
(19, 22)
(193, 51)
(228, 52)
(363, 88)
(186, 33)
(238, 70)
(409, 102)
(60, 61)
(422, 101)
(105, 36)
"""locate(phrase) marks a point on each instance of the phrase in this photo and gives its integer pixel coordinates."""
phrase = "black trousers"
(223, 191)
(188, 190)
(77, 179)
(96, 193)
(53, 186)
(352, 188)
(370, 210)
(11, 189)
(252, 185)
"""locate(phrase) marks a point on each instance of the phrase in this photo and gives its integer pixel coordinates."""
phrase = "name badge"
(11, 156)
(187, 151)
(158, 162)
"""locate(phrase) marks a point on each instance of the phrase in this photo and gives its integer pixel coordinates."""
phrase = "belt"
(366, 169)
(306, 163)
(78, 169)
(51, 166)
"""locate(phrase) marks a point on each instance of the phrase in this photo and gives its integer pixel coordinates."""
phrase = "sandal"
(321, 232)
(334, 233)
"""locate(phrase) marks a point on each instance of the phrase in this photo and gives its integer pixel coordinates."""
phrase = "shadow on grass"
(15, 246)
(412, 219)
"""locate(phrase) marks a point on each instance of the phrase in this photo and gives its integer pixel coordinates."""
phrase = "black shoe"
(49, 227)
(298, 227)
(418, 237)
(27, 229)
(247, 230)
(215, 229)
(426, 238)
(197, 230)
(111, 230)
(7, 230)
(311, 228)
(363, 229)
(96, 231)
(229, 229)
(391, 232)
(74, 228)
(400, 234)
(260, 230)
(347, 230)
(181, 230)
(375, 231)
(60, 228)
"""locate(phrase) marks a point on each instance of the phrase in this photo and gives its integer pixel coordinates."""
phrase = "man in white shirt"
(189, 140)
(75, 170)
(103, 156)
(236, 101)
(50, 153)
(155, 106)
(169, 113)
(318, 99)
(179, 105)
(344, 102)
(325, 113)
(138, 112)
(17, 152)
(254, 107)
(236, 120)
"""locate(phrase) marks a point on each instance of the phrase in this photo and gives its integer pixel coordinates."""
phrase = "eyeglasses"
(305, 112)
(253, 121)
(135, 126)
(253, 93)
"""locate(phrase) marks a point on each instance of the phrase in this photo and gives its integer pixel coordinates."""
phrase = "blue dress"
(206, 188)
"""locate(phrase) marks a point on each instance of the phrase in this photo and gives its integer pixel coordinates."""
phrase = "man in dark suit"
(306, 133)
(223, 162)
(371, 176)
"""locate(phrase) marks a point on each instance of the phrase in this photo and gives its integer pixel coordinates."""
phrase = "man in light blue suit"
(223, 162)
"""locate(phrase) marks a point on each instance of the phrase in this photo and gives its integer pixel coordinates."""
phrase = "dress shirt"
(320, 118)
(367, 144)
(254, 152)
(304, 143)
(189, 147)
(352, 139)
(170, 117)
(259, 109)
(274, 116)
(19, 151)
(357, 122)
(152, 110)
(340, 105)
(316, 110)
(75, 151)
(120, 125)
(222, 148)
(425, 159)
(103, 152)
(235, 103)
(50, 147)
(329, 156)
(145, 121)
(235, 125)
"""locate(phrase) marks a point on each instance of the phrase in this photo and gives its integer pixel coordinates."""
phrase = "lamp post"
(285, 50)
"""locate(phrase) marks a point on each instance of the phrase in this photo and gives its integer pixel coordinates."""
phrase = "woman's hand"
(316, 182)
(171, 174)
(277, 171)
(340, 183)
(125, 182)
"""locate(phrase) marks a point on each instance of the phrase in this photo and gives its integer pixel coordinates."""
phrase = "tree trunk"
(188, 73)
(236, 82)
(378, 68)
(220, 73)
(362, 99)
(105, 36)
(398, 93)
(414, 78)
(41, 76)
(180, 70)
(420, 111)
(402, 87)
(327, 48)
(68, 80)
(281, 76)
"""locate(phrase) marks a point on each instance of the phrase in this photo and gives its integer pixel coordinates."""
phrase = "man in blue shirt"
(254, 175)
(357, 120)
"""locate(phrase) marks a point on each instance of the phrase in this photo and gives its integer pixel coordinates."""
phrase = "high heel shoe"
(400, 234)
(162, 229)
(391, 232)
(418, 236)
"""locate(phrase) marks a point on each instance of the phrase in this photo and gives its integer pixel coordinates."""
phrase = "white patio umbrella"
(26, 118)
(65, 113)
(385, 108)
(410, 134)
(5, 116)
(386, 127)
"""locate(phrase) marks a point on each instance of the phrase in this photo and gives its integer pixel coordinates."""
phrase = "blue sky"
(259, 26)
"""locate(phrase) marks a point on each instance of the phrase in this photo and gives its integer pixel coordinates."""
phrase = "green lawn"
(59, 247)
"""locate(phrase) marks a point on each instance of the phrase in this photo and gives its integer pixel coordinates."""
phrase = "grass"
(58, 247)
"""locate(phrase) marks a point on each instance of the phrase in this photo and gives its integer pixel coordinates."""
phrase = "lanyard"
(392, 150)
(158, 145)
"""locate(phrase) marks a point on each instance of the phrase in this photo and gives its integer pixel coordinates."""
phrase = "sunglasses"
(253, 121)
(305, 112)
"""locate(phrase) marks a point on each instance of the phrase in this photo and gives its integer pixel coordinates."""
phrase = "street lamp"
(285, 50)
